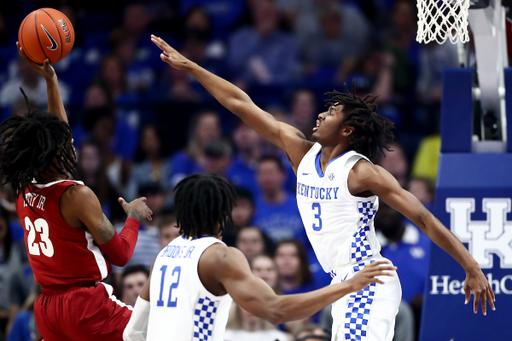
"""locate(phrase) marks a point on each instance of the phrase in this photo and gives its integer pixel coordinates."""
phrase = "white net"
(439, 20)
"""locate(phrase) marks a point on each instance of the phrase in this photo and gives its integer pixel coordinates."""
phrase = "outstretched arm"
(231, 269)
(55, 105)
(367, 177)
(288, 138)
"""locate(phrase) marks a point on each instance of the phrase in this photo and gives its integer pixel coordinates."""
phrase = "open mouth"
(317, 125)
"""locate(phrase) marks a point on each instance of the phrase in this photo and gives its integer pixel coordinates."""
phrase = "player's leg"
(105, 317)
(368, 314)
(46, 313)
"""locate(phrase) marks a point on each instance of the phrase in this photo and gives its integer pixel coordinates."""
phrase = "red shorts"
(90, 313)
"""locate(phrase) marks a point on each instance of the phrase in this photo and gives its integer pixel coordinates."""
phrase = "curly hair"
(372, 132)
(32, 144)
(203, 204)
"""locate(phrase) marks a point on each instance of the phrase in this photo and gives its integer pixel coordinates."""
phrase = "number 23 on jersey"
(40, 226)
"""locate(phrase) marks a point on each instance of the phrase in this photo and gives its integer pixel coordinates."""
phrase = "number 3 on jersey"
(40, 226)
(170, 302)
(316, 207)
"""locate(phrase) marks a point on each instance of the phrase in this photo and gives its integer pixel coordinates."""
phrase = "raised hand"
(137, 209)
(477, 282)
(170, 55)
(370, 273)
(46, 70)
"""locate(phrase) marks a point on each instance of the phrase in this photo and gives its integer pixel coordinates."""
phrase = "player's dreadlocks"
(372, 132)
(203, 204)
(30, 145)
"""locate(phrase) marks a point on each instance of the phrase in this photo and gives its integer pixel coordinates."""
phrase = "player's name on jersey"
(35, 200)
(320, 193)
(176, 251)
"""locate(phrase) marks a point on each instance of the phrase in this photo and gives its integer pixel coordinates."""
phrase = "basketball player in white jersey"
(188, 294)
(338, 189)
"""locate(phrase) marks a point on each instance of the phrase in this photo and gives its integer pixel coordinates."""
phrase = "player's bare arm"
(365, 177)
(55, 105)
(231, 274)
(287, 137)
(80, 208)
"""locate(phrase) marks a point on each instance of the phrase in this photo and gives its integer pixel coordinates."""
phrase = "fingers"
(122, 201)
(376, 280)
(490, 298)
(467, 290)
(476, 301)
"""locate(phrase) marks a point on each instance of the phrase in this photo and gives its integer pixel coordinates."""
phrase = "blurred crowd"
(140, 126)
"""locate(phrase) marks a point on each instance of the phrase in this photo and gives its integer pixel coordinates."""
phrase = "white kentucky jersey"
(181, 307)
(338, 224)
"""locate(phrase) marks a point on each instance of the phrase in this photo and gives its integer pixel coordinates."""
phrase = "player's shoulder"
(77, 194)
(222, 257)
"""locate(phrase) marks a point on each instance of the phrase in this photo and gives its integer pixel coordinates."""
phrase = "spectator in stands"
(303, 111)
(264, 267)
(203, 127)
(312, 332)
(247, 327)
(6, 245)
(292, 263)
(33, 85)
(113, 72)
(277, 214)
(156, 199)
(263, 54)
(242, 172)
(395, 162)
(243, 213)
(218, 154)
(139, 73)
(167, 230)
(224, 14)
(91, 170)
(152, 166)
(133, 280)
(250, 241)
(407, 247)
(424, 190)
(329, 50)
(427, 158)
(402, 44)
(24, 326)
(374, 72)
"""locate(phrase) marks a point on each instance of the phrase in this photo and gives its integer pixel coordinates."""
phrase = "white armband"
(137, 327)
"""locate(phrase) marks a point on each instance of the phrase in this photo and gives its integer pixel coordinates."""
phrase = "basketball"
(46, 33)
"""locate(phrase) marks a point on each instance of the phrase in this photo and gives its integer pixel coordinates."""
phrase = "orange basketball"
(46, 33)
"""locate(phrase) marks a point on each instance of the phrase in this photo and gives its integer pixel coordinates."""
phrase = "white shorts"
(368, 315)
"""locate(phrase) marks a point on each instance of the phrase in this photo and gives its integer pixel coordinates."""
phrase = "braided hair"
(372, 131)
(30, 145)
(203, 203)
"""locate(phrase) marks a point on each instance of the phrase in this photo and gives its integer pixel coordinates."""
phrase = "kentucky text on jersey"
(176, 251)
(320, 193)
(32, 199)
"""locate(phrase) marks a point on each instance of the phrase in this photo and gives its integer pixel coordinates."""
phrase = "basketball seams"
(60, 36)
(21, 38)
(37, 34)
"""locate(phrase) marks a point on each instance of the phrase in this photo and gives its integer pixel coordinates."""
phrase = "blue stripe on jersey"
(204, 317)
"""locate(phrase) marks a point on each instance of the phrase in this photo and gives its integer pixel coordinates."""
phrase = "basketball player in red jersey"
(70, 242)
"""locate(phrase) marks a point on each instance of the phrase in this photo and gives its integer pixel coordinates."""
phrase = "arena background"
(139, 126)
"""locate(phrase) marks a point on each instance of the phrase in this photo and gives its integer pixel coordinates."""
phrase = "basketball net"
(439, 20)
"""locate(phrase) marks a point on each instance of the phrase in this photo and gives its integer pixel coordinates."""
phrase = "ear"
(347, 130)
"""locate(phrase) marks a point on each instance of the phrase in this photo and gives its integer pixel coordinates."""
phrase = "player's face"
(265, 268)
(132, 287)
(287, 260)
(328, 126)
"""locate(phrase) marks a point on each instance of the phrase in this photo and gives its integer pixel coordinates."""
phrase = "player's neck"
(330, 153)
(51, 177)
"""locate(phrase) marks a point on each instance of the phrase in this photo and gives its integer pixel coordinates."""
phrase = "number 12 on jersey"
(170, 302)
(318, 210)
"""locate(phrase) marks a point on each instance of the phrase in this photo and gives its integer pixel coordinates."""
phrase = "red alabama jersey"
(59, 254)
